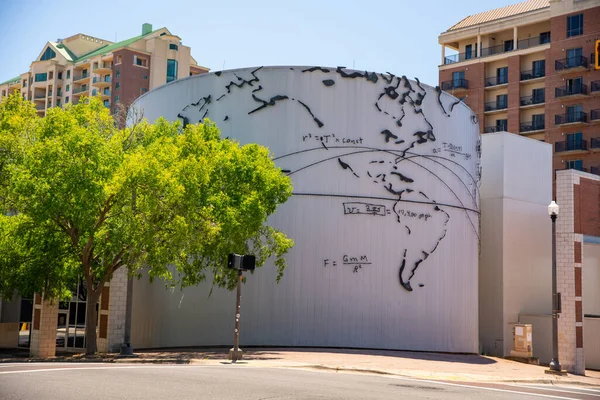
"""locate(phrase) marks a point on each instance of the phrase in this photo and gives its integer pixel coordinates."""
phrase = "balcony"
(531, 126)
(570, 118)
(104, 94)
(595, 115)
(595, 87)
(494, 106)
(595, 170)
(80, 90)
(102, 68)
(571, 64)
(40, 107)
(81, 77)
(532, 42)
(492, 129)
(533, 100)
(455, 84)
(532, 74)
(573, 167)
(571, 146)
(101, 82)
(577, 90)
(39, 96)
(496, 81)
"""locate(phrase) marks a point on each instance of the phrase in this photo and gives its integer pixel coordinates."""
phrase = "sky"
(396, 36)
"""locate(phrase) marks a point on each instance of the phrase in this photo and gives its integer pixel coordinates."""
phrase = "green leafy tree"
(83, 198)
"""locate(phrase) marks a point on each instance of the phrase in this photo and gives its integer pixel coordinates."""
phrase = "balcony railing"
(582, 169)
(595, 86)
(496, 80)
(80, 77)
(80, 89)
(455, 84)
(532, 42)
(103, 66)
(454, 58)
(530, 100)
(490, 51)
(570, 118)
(532, 74)
(595, 170)
(492, 129)
(39, 96)
(572, 90)
(571, 62)
(595, 115)
(496, 105)
(531, 126)
(570, 145)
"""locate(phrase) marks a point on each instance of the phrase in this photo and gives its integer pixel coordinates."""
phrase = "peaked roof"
(13, 80)
(110, 47)
(499, 13)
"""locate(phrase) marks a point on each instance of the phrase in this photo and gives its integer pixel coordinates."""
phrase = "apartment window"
(3, 93)
(66, 99)
(539, 68)
(502, 75)
(60, 75)
(69, 74)
(574, 141)
(119, 59)
(501, 125)
(575, 25)
(538, 121)
(502, 101)
(468, 52)
(58, 103)
(457, 78)
(139, 61)
(117, 73)
(574, 164)
(171, 70)
(48, 54)
(173, 46)
(509, 45)
(106, 103)
(115, 110)
(144, 90)
(67, 88)
(544, 37)
(144, 76)
(574, 112)
(538, 95)
(574, 85)
(116, 98)
(117, 85)
(574, 57)
(24, 82)
(41, 77)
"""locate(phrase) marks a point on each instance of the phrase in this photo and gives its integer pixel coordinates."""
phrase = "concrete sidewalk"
(421, 365)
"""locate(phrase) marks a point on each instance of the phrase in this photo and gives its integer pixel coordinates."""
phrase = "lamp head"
(553, 208)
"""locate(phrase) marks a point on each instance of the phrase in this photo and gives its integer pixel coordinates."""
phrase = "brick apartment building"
(529, 69)
(82, 65)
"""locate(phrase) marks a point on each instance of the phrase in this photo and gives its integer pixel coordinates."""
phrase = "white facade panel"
(385, 173)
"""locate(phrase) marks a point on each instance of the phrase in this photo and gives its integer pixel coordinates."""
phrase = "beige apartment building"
(529, 69)
(82, 65)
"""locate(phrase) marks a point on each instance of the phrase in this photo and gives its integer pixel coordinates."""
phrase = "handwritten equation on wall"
(354, 262)
(452, 149)
(331, 139)
(355, 208)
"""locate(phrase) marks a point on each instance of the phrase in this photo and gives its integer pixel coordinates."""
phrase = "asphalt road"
(64, 381)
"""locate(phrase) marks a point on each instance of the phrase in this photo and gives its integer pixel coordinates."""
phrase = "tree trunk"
(91, 319)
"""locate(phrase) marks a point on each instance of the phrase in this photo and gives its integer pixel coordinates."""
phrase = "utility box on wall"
(522, 341)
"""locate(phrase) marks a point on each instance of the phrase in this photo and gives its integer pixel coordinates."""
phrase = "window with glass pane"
(539, 68)
(544, 37)
(173, 46)
(69, 74)
(574, 141)
(575, 25)
(574, 111)
(502, 74)
(468, 52)
(574, 57)
(537, 121)
(502, 101)
(538, 95)
(509, 45)
(501, 125)
(48, 54)
(575, 164)
(41, 77)
(457, 78)
(171, 70)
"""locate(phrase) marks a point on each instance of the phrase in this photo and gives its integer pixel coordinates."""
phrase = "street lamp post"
(556, 307)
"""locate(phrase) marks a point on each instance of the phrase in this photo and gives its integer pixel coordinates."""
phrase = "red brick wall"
(587, 207)
(514, 93)
(474, 97)
(131, 77)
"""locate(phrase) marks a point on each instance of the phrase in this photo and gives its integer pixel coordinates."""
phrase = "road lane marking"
(558, 389)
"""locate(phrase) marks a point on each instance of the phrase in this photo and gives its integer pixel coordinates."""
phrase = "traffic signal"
(241, 262)
(597, 60)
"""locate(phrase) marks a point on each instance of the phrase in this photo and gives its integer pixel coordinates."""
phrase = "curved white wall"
(385, 173)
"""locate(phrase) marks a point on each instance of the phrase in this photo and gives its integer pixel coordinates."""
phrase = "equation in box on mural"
(356, 262)
(365, 208)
